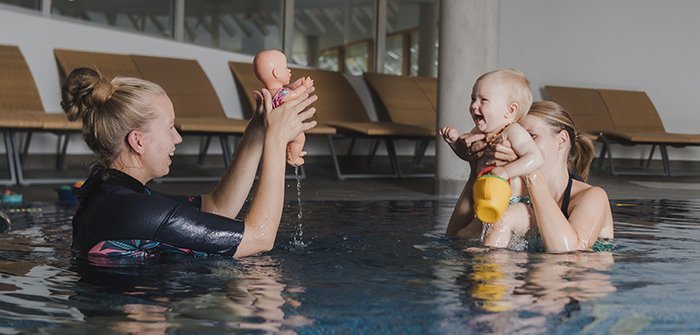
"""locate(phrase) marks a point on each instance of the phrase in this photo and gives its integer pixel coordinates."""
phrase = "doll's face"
(282, 72)
(490, 107)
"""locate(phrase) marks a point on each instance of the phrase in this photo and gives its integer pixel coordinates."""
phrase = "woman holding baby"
(552, 198)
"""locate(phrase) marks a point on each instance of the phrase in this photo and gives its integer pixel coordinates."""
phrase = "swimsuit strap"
(567, 198)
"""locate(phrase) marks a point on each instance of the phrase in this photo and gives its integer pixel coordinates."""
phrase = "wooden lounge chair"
(340, 108)
(592, 111)
(634, 115)
(108, 64)
(407, 100)
(21, 110)
(403, 100)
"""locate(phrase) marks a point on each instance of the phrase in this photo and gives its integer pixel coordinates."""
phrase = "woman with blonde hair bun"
(129, 124)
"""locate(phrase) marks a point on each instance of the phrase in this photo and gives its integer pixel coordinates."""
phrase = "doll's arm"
(529, 156)
(295, 92)
(305, 81)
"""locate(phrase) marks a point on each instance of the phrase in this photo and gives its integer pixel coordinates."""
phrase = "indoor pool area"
(324, 167)
(352, 267)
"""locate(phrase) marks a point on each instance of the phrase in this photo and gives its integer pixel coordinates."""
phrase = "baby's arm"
(529, 155)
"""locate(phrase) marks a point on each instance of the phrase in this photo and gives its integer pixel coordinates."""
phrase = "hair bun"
(83, 90)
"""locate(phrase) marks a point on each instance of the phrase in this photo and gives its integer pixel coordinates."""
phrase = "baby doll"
(271, 69)
(499, 100)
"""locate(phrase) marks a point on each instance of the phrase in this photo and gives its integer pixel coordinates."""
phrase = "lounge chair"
(21, 110)
(407, 100)
(340, 108)
(634, 114)
(611, 118)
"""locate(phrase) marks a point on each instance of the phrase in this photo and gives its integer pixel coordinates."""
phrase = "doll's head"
(499, 98)
(271, 68)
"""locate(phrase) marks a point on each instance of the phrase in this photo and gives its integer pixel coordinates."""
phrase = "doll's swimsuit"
(279, 96)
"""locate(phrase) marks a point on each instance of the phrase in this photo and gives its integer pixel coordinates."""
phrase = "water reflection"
(221, 295)
(522, 290)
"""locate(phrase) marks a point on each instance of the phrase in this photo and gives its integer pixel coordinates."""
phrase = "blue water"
(365, 267)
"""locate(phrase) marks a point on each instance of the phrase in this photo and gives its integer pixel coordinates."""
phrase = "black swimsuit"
(119, 216)
(567, 198)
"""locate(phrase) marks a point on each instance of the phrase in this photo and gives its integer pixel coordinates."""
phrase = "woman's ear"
(135, 141)
(563, 137)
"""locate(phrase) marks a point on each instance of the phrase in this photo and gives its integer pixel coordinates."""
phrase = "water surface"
(364, 267)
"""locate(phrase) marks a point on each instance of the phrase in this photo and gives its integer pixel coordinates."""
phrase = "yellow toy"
(491, 196)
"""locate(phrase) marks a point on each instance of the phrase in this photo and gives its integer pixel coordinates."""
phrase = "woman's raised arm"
(282, 124)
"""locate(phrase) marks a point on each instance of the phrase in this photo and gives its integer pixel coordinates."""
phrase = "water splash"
(297, 238)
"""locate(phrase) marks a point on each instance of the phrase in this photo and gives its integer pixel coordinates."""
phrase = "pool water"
(363, 267)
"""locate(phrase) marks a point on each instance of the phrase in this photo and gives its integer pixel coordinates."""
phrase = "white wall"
(646, 45)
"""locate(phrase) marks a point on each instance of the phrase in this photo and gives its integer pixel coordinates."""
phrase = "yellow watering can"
(491, 196)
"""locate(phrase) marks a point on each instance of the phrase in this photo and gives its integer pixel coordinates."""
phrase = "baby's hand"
(449, 134)
(500, 172)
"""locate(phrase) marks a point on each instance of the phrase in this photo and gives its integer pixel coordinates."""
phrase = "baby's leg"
(516, 219)
(294, 149)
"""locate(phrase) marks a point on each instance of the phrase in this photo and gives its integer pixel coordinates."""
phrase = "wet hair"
(109, 110)
(581, 150)
(519, 88)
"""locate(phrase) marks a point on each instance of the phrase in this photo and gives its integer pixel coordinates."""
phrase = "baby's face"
(489, 105)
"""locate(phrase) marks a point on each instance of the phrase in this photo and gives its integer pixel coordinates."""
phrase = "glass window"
(412, 34)
(393, 59)
(245, 26)
(31, 4)
(153, 17)
(334, 34)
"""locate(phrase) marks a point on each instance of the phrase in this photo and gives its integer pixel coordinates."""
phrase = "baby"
(499, 100)
(271, 69)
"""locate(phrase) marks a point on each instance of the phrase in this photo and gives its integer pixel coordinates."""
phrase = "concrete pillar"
(380, 37)
(426, 38)
(468, 48)
(287, 26)
(312, 50)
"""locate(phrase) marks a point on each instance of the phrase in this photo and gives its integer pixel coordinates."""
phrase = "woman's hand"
(499, 154)
(287, 121)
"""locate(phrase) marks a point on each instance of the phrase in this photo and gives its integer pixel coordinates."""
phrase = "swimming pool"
(362, 267)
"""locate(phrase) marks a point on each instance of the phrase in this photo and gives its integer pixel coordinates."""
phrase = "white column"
(380, 37)
(179, 20)
(288, 27)
(46, 8)
(468, 47)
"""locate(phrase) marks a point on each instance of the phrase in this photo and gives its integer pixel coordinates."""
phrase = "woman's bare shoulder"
(585, 192)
